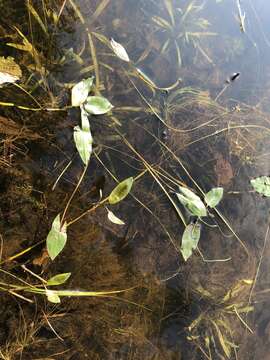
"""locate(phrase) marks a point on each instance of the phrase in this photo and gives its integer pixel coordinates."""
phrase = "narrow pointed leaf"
(85, 125)
(56, 239)
(261, 185)
(114, 219)
(58, 279)
(80, 91)
(97, 105)
(213, 197)
(83, 141)
(190, 240)
(52, 297)
(121, 191)
(119, 50)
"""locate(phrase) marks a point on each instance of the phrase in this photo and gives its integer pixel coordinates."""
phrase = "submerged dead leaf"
(223, 170)
(43, 259)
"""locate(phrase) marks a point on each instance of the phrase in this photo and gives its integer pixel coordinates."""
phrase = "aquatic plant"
(213, 330)
(197, 208)
(183, 26)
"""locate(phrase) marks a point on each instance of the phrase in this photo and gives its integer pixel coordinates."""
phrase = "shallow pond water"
(190, 108)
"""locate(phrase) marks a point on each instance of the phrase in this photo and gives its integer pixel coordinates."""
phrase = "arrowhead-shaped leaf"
(97, 105)
(192, 202)
(190, 240)
(83, 141)
(261, 185)
(80, 91)
(56, 239)
(213, 197)
(58, 279)
(121, 191)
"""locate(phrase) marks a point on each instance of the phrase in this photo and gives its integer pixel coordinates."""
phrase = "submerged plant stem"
(73, 194)
(93, 208)
(95, 62)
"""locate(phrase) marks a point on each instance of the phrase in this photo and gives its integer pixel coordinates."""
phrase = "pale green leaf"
(83, 141)
(114, 219)
(85, 125)
(56, 239)
(262, 185)
(213, 197)
(190, 240)
(192, 202)
(52, 297)
(97, 105)
(189, 194)
(58, 279)
(80, 91)
(121, 191)
(119, 50)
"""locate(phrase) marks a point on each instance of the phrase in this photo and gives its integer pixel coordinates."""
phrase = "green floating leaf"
(80, 91)
(83, 139)
(121, 191)
(97, 105)
(57, 238)
(52, 297)
(190, 240)
(213, 197)
(192, 202)
(261, 185)
(114, 219)
(58, 279)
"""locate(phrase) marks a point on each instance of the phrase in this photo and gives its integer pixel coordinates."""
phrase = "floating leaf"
(97, 105)
(56, 239)
(213, 197)
(261, 185)
(119, 50)
(10, 72)
(52, 297)
(58, 279)
(192, 202)
(80, 91)
(190, 240)
(121, 191)
(83, 139)
(114, 219)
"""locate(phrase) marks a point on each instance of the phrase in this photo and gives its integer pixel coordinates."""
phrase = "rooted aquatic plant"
(195, 206)
(212, 330)
(183, 26)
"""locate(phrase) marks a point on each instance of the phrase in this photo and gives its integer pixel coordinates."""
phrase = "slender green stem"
(73, 194)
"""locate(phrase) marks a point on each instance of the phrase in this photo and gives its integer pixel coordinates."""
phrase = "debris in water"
(233, 77)
(10, 72)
